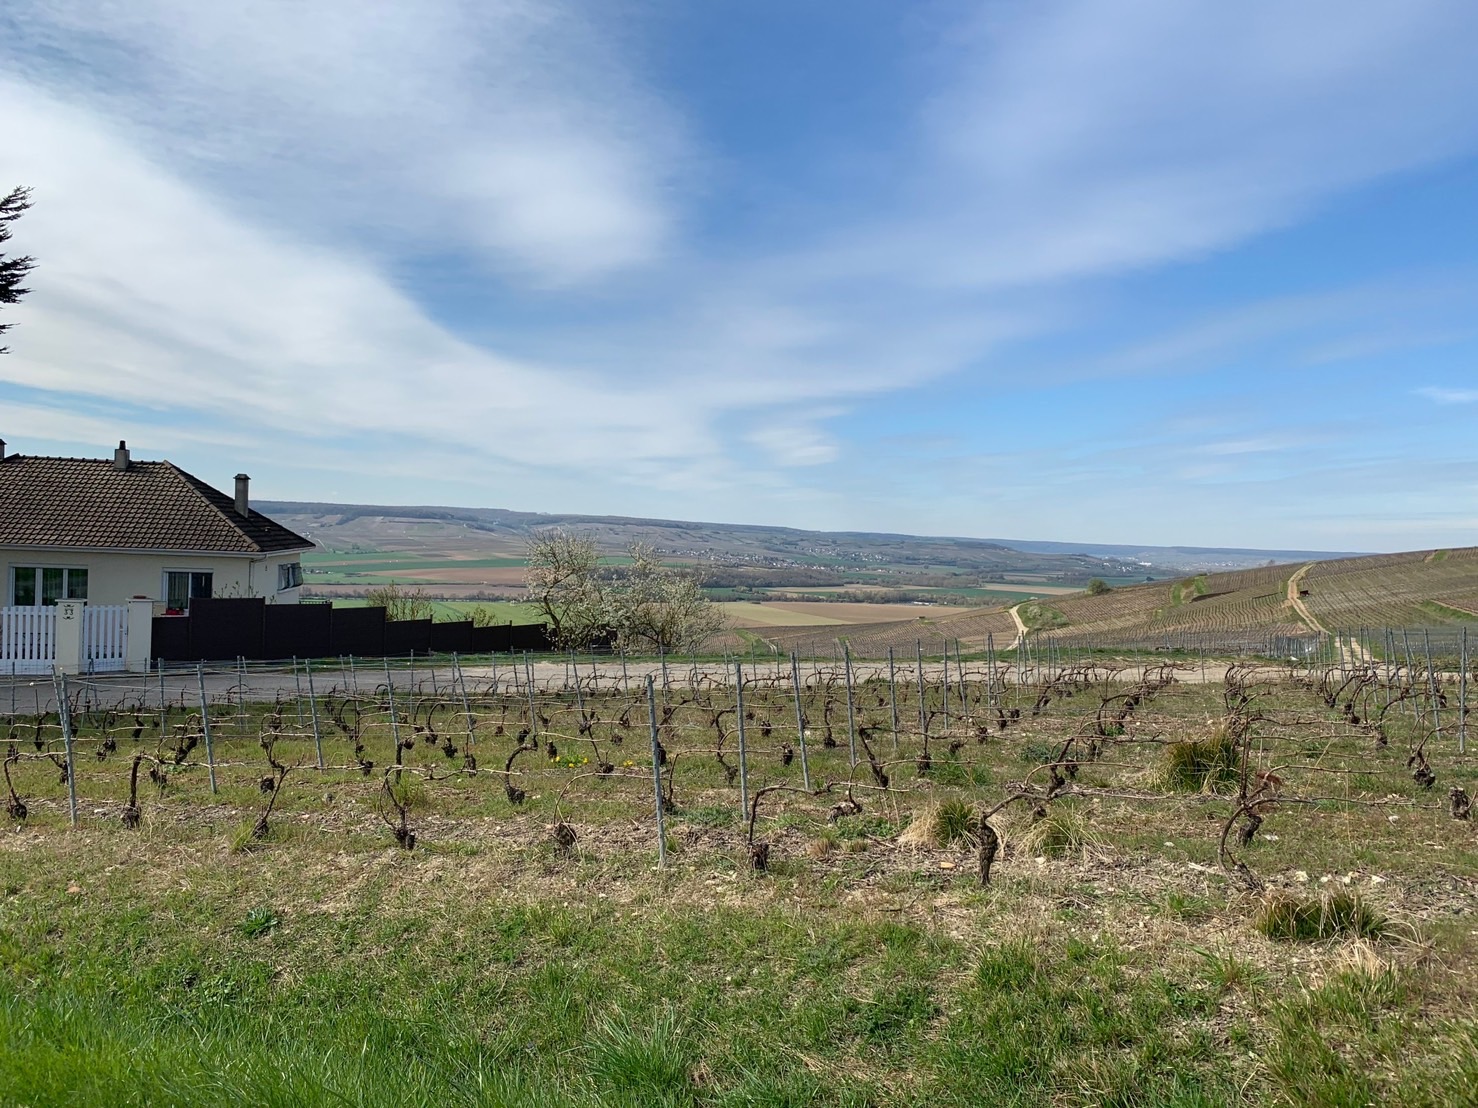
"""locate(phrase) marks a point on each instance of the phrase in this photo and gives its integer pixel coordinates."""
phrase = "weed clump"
(1334, 915)
(942, 825)
(1200, 763)
(1061, 832)
(259, 921)
(954, 822)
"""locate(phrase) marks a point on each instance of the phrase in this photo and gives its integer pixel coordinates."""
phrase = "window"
(182, 585)
(289, 575)
(32, 585)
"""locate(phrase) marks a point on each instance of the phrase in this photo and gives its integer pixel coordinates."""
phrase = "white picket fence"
(28, 639)
(104, 638)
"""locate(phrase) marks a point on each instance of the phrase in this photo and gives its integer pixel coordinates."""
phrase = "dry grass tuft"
(1063, 832)
(941, 824)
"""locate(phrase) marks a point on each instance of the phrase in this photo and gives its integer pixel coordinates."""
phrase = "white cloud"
(496, 126)
(795, 445)
(153, 295)
(1450, 396)
(1078, 139)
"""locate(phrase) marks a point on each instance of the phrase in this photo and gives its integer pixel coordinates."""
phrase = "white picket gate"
(104, 638)
(27, 640)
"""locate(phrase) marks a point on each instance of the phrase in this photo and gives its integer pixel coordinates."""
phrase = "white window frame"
(36, 568)
(282, 570)
(164, 584)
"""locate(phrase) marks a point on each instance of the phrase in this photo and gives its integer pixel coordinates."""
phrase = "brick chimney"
(2, 449)
(243, 501)
(120, 456)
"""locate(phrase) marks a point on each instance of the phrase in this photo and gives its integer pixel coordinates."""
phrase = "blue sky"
(1158, 271)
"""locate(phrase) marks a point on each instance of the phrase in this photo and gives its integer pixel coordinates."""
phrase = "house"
(107, 532)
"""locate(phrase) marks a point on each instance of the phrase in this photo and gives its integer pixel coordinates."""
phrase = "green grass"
(322, 964)
(1331, 916)
(399, 1000)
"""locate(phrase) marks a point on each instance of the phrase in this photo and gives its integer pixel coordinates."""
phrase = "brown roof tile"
(83, 502)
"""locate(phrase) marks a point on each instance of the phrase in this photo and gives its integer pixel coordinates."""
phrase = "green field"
(503, 611)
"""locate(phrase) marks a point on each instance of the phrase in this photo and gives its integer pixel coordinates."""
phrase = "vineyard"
(1246, 611)
(1396, 590)
(1270, 822)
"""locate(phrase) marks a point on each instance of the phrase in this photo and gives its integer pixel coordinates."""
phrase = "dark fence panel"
(452, 638)
(358, 631)
(219, 629)
(532, 637)
(298, 631)
(226, 628)
(404, 635)
(488, 640)
(171, 641)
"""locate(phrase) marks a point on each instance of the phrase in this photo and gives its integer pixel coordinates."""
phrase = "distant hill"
(842, 554)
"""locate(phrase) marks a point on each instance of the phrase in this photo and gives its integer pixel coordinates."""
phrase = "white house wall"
(116, 578)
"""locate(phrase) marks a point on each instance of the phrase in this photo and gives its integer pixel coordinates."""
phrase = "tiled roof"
(84, 502)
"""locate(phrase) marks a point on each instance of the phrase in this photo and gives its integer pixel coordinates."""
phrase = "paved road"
(26, 695)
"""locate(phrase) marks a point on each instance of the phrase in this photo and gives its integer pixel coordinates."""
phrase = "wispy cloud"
(495, 127)
(1449, 396)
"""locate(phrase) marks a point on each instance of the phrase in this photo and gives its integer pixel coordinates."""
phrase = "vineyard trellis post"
(390, 701)
(944, 703)
(64, 714)
(851, 714)
(461, 679)
(918, 649)
(1462, 698)
(625, 682)
(893, 698)
(241, 694)
(743, 749)
(960, 673)
(210, 752)
(1410, 667)
(298, 688)
(657, 772)
(313, 714)
(1432, 690)
(990, 656)
(800, 719)
(529, 688)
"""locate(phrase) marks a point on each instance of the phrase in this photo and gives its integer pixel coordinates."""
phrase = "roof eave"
(161, 551)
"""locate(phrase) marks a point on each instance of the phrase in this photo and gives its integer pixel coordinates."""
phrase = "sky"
(1150, 272)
